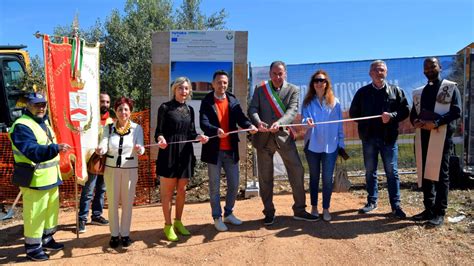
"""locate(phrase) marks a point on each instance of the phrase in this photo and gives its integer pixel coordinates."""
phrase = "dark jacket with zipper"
(368, 101)
(210, 124)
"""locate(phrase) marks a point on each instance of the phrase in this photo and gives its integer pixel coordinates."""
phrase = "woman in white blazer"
(121, 142)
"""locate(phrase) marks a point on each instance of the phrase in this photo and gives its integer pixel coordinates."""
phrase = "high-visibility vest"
(46, 172)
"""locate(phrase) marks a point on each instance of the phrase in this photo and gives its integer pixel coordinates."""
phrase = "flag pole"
(75, 33)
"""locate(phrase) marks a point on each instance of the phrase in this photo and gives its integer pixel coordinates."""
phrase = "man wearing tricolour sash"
(275, 103)
(436, 107)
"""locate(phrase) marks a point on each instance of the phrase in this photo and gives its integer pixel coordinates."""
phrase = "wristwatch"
(436, 123)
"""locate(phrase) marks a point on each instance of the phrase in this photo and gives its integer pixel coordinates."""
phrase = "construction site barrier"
(146, 170)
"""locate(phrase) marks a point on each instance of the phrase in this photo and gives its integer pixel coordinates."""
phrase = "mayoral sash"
(437, 136)
(275, 102)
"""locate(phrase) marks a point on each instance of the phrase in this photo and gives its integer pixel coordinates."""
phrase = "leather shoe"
(269, 220)
(126, 241)
(305, 216)
(399, 213)
(114, 242)
(423, 216)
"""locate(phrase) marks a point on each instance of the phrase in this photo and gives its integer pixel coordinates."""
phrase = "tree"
(92, 35)
(457, 75)
(125, 59)
(189, 17)
(34, 78)
(126, 56)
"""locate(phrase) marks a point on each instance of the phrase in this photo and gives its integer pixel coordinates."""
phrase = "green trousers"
(40, 213)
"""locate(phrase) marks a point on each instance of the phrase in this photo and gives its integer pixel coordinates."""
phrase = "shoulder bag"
(96, 164)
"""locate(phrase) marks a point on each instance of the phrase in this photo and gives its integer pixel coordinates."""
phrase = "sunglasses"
(316, 80)
(40, 105)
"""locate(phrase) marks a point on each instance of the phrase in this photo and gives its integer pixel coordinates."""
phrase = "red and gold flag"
(57, 61)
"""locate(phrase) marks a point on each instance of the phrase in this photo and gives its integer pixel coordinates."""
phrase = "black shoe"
(52, 245)
(269, 219)
(38, 255)
(305, 216)
(368, 208)
(99, 220)
(82, 227)
(437, 220)
(423, 216)
(126, 241)
(399, 213)
(114, 242)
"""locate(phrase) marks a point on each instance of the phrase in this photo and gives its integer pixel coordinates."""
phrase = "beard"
(431, 76)
(103, 110)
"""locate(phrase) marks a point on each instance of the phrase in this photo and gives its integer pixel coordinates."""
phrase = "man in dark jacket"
(379, 135)
(219, 114)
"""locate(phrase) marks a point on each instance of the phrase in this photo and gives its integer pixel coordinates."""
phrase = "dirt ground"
(350, 238)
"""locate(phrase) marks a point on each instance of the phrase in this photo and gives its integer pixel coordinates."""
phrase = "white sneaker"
(231, 219)
(219, 225)
(326, 215)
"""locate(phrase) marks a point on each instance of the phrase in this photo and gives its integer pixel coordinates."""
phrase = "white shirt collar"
(384, 84)
(220, 97)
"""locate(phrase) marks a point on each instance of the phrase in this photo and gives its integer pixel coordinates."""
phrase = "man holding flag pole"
(34, 144)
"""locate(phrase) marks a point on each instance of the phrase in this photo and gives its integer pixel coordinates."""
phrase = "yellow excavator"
(14, 65)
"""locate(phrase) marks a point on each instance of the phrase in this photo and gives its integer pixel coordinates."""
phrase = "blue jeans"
(224, 160)
(95, 182)
(328, 161)
(389, 154)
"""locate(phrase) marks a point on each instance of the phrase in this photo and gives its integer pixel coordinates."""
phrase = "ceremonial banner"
(91, 104)
(73, 110)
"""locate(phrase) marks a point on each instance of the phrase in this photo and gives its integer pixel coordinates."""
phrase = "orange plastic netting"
(146, 170)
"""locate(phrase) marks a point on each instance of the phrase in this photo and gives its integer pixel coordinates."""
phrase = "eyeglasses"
(316, 80)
